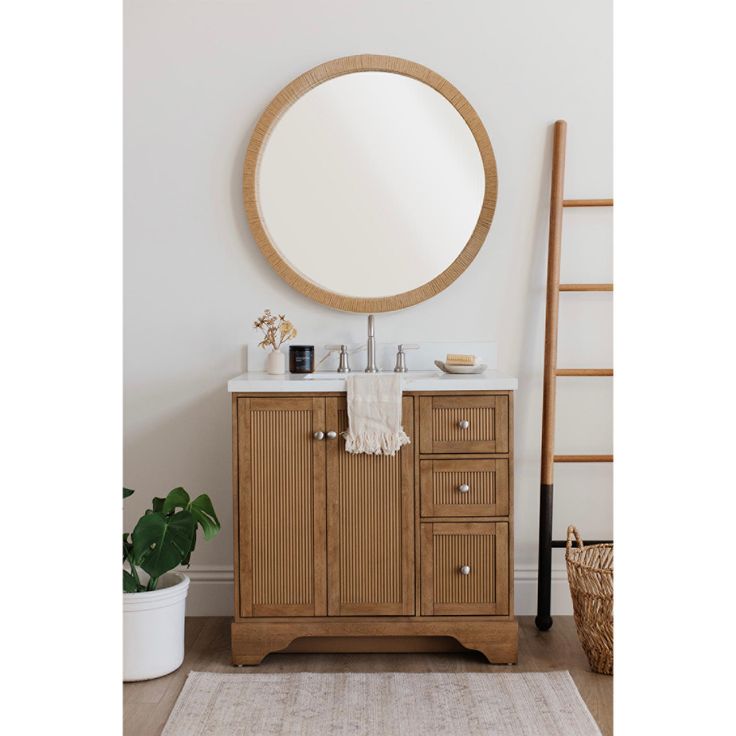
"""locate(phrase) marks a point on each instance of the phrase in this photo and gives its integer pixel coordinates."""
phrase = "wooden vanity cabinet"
(342, 552)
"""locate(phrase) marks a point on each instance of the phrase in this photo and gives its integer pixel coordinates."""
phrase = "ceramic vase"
(276, 363)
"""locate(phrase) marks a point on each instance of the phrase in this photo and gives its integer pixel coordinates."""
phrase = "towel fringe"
(375, 443)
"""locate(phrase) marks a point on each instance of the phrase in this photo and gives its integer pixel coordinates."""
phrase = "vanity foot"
(251, 644)
(501, 647)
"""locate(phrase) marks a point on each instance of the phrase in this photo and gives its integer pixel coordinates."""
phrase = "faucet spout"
(371, 346)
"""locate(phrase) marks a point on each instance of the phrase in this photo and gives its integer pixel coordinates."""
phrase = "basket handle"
(573, 533)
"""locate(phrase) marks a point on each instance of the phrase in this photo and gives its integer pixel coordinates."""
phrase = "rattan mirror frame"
(299, 87)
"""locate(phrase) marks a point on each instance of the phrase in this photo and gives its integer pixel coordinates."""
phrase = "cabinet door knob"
(331, 435)
(465, 569)
(464, 488)
(319, 435)
(463, 424)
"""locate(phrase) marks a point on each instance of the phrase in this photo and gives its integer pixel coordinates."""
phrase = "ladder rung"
(584, 372)
(583, 458)
(586, 287)
(561, 543)
(587, 203)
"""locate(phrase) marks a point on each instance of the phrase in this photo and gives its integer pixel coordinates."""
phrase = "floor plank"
(147, 704)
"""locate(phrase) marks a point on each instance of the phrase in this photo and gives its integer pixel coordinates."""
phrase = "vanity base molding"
(253, 640)
(337, 552)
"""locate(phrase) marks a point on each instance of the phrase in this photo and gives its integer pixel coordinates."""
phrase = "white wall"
(197, 76)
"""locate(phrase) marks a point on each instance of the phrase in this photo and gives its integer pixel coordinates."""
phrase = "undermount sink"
(335, 376)
(330, 376)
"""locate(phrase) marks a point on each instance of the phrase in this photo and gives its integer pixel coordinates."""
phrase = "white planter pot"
(153, 629)
(276, 363)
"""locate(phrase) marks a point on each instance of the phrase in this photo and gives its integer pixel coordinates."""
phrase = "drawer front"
(465, 569)
(464, 424)
(465, 487)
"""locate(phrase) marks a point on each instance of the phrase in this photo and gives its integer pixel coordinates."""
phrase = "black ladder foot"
(544, 575)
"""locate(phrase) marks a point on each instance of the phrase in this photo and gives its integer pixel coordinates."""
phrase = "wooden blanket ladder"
(552, 373)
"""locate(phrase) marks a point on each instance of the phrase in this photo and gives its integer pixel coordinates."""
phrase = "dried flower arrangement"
(276, 330)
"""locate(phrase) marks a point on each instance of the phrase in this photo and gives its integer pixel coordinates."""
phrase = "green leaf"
(204, 514)
(178, 498)
(127, 546)
(160, 543)
(157, 504)
(186, 560)
(129, 583)
(127, 492)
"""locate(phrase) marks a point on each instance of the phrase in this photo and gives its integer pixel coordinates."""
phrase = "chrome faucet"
(371, 346)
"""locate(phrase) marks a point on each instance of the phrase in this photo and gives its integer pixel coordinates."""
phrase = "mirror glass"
(370, 185)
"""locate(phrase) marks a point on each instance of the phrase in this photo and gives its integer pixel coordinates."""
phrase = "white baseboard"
(211, 591)
(525, 590)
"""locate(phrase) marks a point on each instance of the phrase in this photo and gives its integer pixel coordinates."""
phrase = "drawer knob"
(331, 435)
(465, 569)
(319, 435)
(463, 424)
(464, 488)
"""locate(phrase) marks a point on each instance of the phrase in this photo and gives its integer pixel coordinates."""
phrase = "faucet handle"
(401, 358)
(344, 365)
(345, 348)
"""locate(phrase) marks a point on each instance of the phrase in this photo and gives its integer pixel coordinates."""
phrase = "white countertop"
(490, 380)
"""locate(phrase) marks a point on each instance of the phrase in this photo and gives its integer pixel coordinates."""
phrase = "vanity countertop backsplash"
(421, 376)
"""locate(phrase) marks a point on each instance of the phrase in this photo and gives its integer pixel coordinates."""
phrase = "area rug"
(380, 704)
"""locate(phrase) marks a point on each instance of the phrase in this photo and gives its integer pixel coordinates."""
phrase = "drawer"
(465, 569)
(464, 487)
(449, 424)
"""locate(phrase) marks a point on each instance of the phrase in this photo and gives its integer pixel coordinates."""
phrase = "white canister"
(276, 363)
(153, 629)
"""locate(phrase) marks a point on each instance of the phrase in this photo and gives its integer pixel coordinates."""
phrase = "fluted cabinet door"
(281, 471)
(370, 524)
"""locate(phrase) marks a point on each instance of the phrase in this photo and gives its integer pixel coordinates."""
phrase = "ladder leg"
(544, 570)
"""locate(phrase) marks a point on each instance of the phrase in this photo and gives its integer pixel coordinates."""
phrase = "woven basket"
(590, 574)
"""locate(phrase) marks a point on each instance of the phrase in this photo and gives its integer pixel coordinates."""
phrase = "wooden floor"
(147, 704)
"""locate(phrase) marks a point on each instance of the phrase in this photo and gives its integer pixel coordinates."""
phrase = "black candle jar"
(301, 358)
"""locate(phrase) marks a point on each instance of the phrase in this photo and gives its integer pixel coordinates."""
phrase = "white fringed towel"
(374, 414)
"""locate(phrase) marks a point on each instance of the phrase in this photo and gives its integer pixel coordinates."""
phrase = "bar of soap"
(459, 359)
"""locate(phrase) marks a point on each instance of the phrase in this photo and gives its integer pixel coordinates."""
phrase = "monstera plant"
(165, 537)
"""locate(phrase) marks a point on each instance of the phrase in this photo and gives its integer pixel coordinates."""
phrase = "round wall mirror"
(370, 183)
